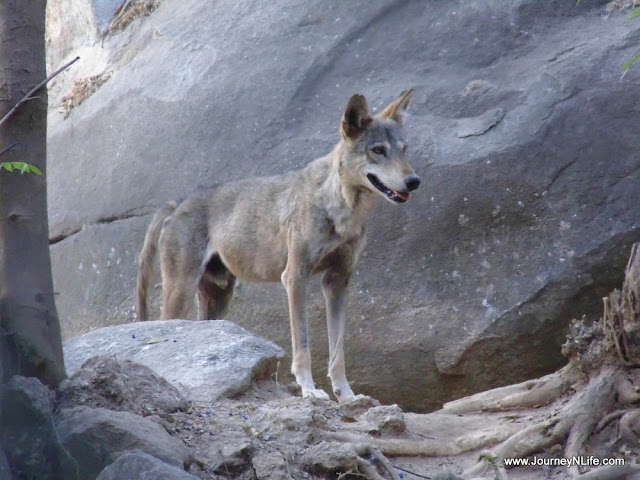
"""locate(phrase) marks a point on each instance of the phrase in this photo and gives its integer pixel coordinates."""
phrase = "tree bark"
(30, 341)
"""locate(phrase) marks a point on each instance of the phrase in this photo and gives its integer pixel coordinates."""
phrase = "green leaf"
(21, 166)
(34, 169)
(631, 61)
(634, 13)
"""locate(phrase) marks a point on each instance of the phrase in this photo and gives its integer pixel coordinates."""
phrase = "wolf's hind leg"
(182, 249)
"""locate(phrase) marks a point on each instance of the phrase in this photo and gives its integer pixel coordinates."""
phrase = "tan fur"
(284, 228)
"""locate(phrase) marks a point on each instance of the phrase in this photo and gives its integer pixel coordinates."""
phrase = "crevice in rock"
(136, 212)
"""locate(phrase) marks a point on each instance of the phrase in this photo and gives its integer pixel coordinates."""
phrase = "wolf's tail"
(146, 260)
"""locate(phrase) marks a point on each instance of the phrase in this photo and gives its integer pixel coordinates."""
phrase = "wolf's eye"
(379, 150)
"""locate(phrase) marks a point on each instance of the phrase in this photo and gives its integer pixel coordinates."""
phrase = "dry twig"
(29, 96)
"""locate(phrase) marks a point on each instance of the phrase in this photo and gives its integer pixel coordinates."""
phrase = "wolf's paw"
(357, 398)
(357, 405)
(315, 393)
(344, 393)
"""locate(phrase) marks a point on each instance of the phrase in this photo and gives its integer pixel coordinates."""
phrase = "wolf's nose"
(412, 182)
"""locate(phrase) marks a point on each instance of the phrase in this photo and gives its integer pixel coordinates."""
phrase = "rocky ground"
(220, 410)
(270, 432)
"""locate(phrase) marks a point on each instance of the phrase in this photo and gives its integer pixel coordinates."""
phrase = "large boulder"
(202, 360)
(137, 465)
(97, 437)
(523, 129)
(28, 435)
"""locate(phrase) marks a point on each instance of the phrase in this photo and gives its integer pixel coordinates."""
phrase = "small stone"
(358, 405)
(388, 418)
(270, 466)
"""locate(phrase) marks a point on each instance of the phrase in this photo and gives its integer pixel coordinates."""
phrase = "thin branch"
(10, 147)
(28, 96)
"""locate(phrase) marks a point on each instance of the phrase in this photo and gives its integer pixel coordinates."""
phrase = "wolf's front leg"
(334, 288)
(296, 284)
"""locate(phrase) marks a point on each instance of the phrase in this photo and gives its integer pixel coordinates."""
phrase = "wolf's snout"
(412, 182)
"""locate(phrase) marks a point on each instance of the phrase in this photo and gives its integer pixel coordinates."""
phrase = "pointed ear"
(356, 117)
(397, 109)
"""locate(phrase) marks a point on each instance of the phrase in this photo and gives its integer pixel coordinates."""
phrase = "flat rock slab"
(205, 360)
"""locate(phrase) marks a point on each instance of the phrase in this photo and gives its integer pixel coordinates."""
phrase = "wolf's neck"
(346, 203)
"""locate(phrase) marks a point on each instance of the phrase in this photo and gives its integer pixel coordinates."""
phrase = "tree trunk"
(30, 341)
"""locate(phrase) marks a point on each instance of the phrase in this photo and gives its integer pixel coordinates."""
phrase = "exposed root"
(530, 440)
(629, 426)
(529, 394)
(575, 423)
(366, 450)
(368, 470)
(622, 472)
(626, 389)
(602, 424)
(397, 447)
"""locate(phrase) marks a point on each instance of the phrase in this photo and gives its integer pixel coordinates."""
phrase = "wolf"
(284, 228)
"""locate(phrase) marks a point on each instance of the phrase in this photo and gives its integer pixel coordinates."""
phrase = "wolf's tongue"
(402, 195)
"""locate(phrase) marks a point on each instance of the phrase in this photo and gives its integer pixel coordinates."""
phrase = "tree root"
(529, 394)
(584, 413)
(406, 447)
(617, 472)
(366, 450)
(629, 426)
(575, 423)
(607, 419)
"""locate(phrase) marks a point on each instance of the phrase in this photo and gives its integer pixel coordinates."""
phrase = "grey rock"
(229, 452)
(469, 127)
(270, 466)
(138, 465)
(105, 381)
(293, 418)
(514, 230)
(98, 275)
(28, 435)
(204, 360)
(388, 418)
(358, 405)
(96, 437)
(330, 457)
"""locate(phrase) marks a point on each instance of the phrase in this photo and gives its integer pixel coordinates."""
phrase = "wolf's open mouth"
(398, 197)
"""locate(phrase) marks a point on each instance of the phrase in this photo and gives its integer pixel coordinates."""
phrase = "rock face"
(204, 360)
(522, 129)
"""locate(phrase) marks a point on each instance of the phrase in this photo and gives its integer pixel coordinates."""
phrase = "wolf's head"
(375, 149)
